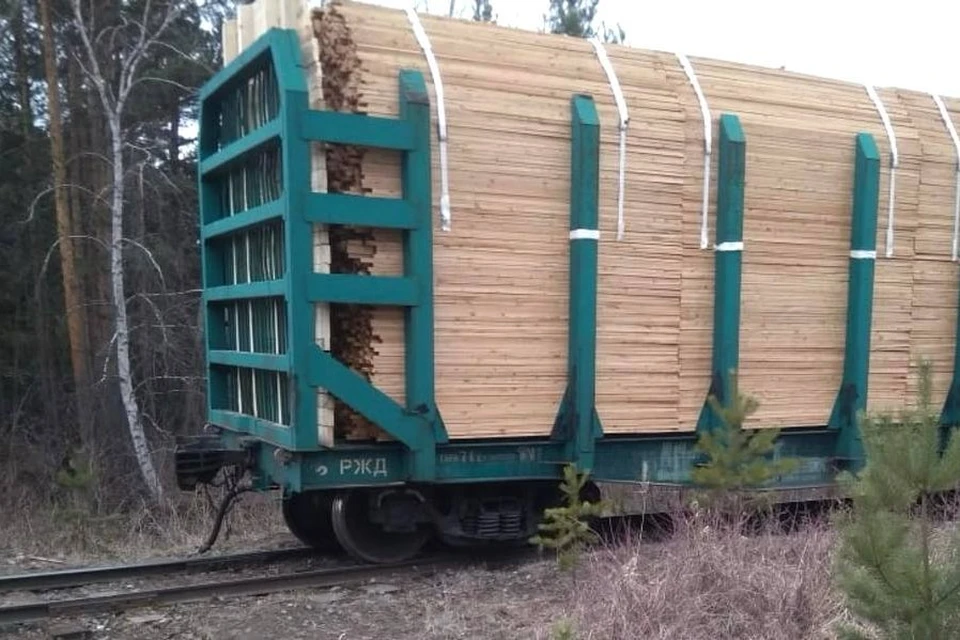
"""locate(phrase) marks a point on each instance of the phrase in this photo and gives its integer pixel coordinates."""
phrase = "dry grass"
(710, 582)
(102, 516)
(470, 604)
(77, 534)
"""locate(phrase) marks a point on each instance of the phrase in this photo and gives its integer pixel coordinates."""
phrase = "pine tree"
(567, 528)
(482, 11)
(613, 36)
(894, 578)
(572, 17)
(575, 18)
(736, 458)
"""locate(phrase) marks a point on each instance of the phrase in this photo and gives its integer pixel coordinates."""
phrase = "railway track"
(219, 584)
(215, 587)
(68, 578)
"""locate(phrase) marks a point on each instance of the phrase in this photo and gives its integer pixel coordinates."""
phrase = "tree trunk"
(76, 144)
(73, 304)
(175, 135)
(107, 67)
(100, 180)
(140, 445)
(23, 76)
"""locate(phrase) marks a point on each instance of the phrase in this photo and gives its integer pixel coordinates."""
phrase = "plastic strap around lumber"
(948, 122)
(894, 163)
(585, 234)
(624, 123)
(424, 42)
(707, 145)
(729, 246)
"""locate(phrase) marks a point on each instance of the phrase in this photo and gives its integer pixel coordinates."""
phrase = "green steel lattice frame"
(293, 127)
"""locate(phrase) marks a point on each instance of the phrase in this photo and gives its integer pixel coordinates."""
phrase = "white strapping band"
(707, 145)
(624, 121)
(894, 162)
(863, 254)
(729, 246)
(424, 43)
(948, 122)
(585, 234)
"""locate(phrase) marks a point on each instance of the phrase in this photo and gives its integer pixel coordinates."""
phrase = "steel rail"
(68, 578)
(257, 585)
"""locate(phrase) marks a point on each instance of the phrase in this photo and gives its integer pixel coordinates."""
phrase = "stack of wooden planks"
(800, 157)
(500, 271)
(933, 300)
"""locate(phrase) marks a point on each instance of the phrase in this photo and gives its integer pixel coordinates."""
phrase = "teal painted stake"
(950, 415)
(728, 261)
(577, 421)
(416, 178)
(852, 397)
(296, 164)
(211, 259)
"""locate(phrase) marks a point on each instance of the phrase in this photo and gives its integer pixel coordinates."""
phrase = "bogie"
(380, 526)
(385, 525)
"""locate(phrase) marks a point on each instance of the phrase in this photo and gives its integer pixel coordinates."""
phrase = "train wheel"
(355, 516)
(308, 517)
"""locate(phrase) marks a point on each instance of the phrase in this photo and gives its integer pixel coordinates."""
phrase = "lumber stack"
(639, 305)
(800, 153)
(934, 274)
(696, 273)
(890, 348)
(500, 272)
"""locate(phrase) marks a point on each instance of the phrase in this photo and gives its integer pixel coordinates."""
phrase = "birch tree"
(134, 39)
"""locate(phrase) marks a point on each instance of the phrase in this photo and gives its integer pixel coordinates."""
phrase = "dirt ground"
(517, 601)
(698, 583)
(502, 603)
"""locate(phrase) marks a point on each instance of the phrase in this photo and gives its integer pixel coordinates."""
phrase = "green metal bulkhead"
(292, 126)
(244, 175)
(418, 424)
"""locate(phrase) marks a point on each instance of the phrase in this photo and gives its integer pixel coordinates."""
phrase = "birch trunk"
(137, 435)
(113, 98)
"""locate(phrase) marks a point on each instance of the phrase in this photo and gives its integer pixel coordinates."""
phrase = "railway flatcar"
(444, 259)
